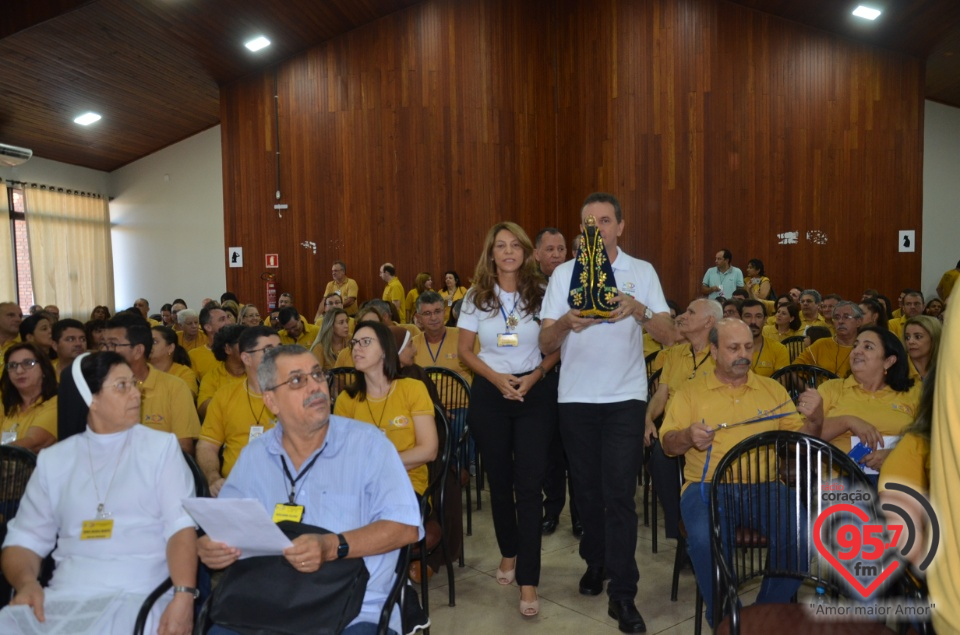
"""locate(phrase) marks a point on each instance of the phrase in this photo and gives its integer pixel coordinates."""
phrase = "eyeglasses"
(845, 316)
(363, 342)
(299, 380)
(112, 346)
(257, 350)
(125, 385)
(434, 313)
(26, 365)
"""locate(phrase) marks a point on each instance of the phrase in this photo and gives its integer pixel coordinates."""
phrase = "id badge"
(8, 437)
(511, 340)
(255, 431)
(450, 301)
(286, 511)
(97, 529)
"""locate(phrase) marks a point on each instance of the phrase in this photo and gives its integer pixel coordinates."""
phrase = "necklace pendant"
(513, 321)
(102, 515)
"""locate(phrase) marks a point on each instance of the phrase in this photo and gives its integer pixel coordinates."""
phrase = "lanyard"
(512, 321)
(439, 348)
(696, 366)
(759, 354)
(303, 472)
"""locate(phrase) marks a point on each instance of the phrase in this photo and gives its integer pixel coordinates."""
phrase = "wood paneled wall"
(717, 126)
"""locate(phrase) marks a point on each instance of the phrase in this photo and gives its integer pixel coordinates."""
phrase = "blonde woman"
(332, 338)
(421, 283)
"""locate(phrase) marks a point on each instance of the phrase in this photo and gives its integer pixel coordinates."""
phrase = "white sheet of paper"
(889, 442)
(239, 522)
(66, 616)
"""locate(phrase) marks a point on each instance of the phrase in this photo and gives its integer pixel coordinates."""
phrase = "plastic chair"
(794, 346)
(434, 534)
(16, 467)
(797, 467)
(798, 377)
(337, 380)
(455, 394)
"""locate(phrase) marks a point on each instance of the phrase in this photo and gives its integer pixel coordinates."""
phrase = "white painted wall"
(46, 172)
(167, 214)
(941, 193)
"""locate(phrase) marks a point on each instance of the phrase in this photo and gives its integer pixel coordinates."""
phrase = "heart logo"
(888, 570)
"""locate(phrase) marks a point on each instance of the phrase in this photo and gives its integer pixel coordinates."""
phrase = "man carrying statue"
(593, 310)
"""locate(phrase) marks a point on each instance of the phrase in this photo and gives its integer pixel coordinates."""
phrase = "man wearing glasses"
(166, 403)
(833, 353)
(236, 414)
(328, 471)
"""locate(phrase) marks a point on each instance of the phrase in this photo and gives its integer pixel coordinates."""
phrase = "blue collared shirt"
(358, 479)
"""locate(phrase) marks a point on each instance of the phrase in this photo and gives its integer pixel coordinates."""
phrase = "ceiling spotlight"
(257, 43)
(866, 13)
(87, 118)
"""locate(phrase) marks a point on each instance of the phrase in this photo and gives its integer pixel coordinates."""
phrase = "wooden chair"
(649, 494)
(798, 377)
(794, 346)
(648, 360)
(337, 380)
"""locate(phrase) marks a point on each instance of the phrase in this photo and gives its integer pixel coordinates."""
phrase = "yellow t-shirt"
(754, 287)
(706, 399)
(4, 347)
(908, 464)
(349, 289)
(805, 324)
(896, 327)
(42, 415)
(167, 405)
(769, 357)
(448, 299)
(306, 338)
(394, 415)
(444, 354)
(414, 331)
(770, 330)
(200, 342)
(410, 304)
(394, 292)
(886, 410)
(214, 380)
(188, 376)
(231, 416)
(947, 283)
(344, 359)
(202, 361)
(679, 367)
(944, 572)
(828, 354)
(650, 345)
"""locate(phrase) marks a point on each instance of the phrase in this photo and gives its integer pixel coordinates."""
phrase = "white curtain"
(70, 252)
(8, 285)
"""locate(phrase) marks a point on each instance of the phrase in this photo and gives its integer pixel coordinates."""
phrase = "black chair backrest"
(653, 382)
(445, 447)
(794, 346)
(798, 377)
(649, 359)
(337, 380)
(801, 470)
(16, 466)
(453, 389)
(201, 487)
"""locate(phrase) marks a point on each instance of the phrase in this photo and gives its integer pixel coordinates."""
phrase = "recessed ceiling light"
(87, 118)
(257, 43)
(866, 13)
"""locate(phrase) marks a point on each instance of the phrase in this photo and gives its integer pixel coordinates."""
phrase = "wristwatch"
(343, 549)
(647, 315)
(187, 589)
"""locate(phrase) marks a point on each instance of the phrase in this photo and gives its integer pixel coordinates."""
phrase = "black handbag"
(265, 595)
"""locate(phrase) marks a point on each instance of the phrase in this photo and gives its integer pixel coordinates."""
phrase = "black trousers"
(557, 481)
(604, 448)
(514, 439)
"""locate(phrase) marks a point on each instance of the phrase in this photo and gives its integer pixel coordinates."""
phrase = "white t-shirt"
(488, 326)
(604, 363)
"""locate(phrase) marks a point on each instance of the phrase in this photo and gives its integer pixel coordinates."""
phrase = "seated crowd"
(223, 376)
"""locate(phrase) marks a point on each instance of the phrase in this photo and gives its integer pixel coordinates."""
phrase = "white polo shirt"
(604, 363)
(522, 358)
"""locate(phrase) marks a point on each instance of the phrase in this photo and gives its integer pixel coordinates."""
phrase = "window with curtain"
(71, 256)
(8, 283)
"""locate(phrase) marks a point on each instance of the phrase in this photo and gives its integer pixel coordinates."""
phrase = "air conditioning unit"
(11, 156)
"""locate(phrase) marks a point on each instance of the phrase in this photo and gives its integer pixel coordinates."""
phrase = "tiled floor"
(485, 607)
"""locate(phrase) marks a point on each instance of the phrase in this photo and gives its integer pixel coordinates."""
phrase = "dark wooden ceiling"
(153, 68)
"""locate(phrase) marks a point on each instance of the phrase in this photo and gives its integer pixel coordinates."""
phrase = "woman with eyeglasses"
(29, 388)
(400, 407)
(168, 356)
(513, 406)
(249, 315)
(107, 503)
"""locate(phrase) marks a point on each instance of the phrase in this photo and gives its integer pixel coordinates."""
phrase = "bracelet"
(543, 372)
(187, 589)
